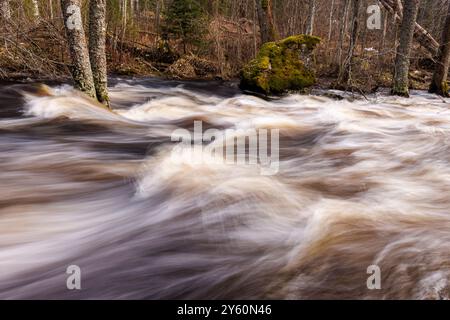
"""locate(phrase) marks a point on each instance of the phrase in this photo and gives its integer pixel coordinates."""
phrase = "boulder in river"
(281, 66)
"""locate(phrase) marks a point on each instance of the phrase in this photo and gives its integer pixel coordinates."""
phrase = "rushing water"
(360, 183)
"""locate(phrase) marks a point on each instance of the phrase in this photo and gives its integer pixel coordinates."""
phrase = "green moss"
(281, 66)
(400, 90)
(445, 89)
(310, 42)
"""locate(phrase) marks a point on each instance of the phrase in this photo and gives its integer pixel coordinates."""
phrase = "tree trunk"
(422, 36)
(158, 16)
(5, 10)
(137, 8)
(214, 11)
(311, 16)
(426, 13)
(330, 24)
(439, 83)
(342, 30)
(381, 48)
(97, 48)
(266, 24)
(36, 9)
(402, 60)
(124, 11)
(50, 7)
(81, 66)
(345, 74)
(255, 39)
(124, 5)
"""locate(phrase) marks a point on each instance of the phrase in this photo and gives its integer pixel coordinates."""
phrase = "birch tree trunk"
(381, 48)
(5, 10)
(124, 17)
(36, 9)
(97, 48)
(124, 11)
(81, 66)
(439, 83)
(330, 24)
(402, 60)
(266, 24)
(311, 17)
(50, 7)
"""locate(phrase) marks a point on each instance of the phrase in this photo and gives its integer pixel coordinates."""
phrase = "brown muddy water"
(360, 183)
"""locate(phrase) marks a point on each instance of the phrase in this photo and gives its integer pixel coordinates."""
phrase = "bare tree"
(81, 66)
(422, 36)
(124, 17)
(159, 5)
(330, 24)
(124, 6)
(50, 7)
(5, 10)
(342, 29)
(97, 47)
(345, 74)
(402, 60)
(36, 9)
(266, 24)
(439, 83)
(311, 17)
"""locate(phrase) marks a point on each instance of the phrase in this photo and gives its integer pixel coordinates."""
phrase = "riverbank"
(419, 79)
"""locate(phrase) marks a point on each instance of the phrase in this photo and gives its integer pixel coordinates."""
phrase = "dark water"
(359, 183)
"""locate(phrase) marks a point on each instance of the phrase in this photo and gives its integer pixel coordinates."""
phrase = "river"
(359, 183)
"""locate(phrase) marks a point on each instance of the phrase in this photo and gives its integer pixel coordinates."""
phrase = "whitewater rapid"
(361, 182)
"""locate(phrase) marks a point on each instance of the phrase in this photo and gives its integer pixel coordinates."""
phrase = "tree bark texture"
(266, 23)
(97, 48)
(81, 66)
(402, 60)
(439, 83)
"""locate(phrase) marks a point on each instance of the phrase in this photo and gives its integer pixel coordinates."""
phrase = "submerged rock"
(281, 66)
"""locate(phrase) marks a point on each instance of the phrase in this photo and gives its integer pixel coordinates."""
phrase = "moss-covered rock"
(281, 66)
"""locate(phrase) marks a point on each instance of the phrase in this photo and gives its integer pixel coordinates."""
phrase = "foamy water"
(360, 182)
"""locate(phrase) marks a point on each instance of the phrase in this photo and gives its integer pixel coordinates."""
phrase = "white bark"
(50, 6)
(36, 13)
(81, 66)
(330, 20)
(5, 10)
(97, 48)
(311, 17)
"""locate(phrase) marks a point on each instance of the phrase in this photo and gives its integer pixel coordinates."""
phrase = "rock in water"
(281, 66)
